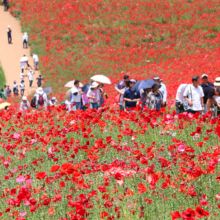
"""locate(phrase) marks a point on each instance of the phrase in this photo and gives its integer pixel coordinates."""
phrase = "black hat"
(155, 87)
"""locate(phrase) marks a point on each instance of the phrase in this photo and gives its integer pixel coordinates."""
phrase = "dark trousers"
(5, 7)
(24, 43)
(31, 81)
(179, 108)
(9, 39)
(22, 92)
(39, 84)
(15, 91)
(22, 70)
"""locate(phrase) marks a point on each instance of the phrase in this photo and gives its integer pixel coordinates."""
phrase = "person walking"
(9, 34)
(30, 76)
(36, 60)
(15, 88)
(22, 87)
(25, 105)
(208, 90)
(41, 99)
(8, 92)
(93, 94)
(76, 92)
(193, 94)
(155, 98)
(131, 97)
(39, 81)
(163, 89)
(122, 92)
(25, 40)
(5, 3)
(180, 100)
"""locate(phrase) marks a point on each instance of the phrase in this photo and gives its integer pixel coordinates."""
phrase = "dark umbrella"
(85, 88)
(144, 84)
(47, 90)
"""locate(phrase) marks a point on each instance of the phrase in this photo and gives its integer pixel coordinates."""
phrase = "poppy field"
(109, 164)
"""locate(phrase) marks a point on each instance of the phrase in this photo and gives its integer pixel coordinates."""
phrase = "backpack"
(33, 102)
(41, 100)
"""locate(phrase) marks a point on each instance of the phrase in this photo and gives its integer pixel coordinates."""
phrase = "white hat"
(40, 91)
(8, 26)
(22, 74)
(204, 75)
(24, 98)
(94, 85)
(54, 99)
(217, 81)
(132, 80)
(157, 78)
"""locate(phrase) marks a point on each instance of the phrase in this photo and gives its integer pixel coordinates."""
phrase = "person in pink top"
(93, 95)
(85, 100)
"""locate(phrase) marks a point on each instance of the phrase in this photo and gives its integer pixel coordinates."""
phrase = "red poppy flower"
(201, 212)
(41, 175)
(54, 168)
(141, 188)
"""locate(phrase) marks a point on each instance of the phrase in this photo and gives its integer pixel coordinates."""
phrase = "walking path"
(10, 54)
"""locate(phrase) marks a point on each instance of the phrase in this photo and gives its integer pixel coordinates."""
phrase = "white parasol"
(70, 84)
(101, 79)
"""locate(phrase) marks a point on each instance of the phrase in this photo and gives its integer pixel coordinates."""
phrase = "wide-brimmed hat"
(217, 81)
(132, 80)
(24, 98)
(8, 26)
(40, 91)
(155, 87)
(94, 85)
(158, 78)
(204, 75)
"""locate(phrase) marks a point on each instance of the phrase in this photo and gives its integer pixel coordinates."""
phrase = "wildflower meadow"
(106, 163)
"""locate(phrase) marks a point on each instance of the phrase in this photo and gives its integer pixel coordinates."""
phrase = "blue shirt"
(130, 94)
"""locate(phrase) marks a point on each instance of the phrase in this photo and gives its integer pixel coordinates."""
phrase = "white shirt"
(24, 105)
(195, 95)
(217, 99)
(76, 98)
(35, 57)
(15, 86)
(25, 37)
(181, 90)
(21, 78)
(163, 90)
(30, 75)
(22, 85)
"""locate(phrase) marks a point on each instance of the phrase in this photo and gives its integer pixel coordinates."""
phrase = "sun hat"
(54, 99)
(24, 98)
(204, 75)
(94, 85)
(217, 81)
(40, 91)
(155, 87)
(158, 78)
(8, 26)
(132, 80)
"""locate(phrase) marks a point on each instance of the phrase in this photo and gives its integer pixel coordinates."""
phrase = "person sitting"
(155, 98)
(41, 99)
(131, 97)
(25, 105)
(53, 101)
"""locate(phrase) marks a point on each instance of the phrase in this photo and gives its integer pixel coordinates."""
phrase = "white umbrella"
(70, 84)
(101, 79)
(24, 59)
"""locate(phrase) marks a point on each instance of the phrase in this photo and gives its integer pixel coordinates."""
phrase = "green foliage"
(212, 35)
(2, 78)
(160, 20)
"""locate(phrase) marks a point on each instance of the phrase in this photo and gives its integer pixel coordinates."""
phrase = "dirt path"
(10, 54)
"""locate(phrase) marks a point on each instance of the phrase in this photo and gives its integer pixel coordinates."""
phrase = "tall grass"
(2, 78)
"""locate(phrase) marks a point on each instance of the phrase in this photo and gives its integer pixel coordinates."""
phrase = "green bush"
(2, 78)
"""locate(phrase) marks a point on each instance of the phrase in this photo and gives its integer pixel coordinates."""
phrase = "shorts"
(35, 63)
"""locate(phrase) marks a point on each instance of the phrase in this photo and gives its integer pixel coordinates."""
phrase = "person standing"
(193, 94)
(131, 97)
(208, 90)
(9, 34)
(30, 76)
(25, 39)
(25, 105)
(22, 87)
(8, 92)
(155, 98)
(15, 88)
(5, 2)
(180, 100)
(163, 89)
(93, 94)
(36, 60)
(76, 96)
(122, 92)
(39, 81)
(41, 99)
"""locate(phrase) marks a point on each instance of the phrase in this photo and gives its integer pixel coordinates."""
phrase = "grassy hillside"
(2, 78)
